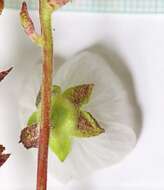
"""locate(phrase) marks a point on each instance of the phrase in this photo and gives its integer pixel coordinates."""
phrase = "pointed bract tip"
(1, 6)
(3, 157)
(3, 74)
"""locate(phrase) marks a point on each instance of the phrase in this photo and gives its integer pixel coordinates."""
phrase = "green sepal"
(80, 94)
(63, 114)
(87, 126)
(60, 145)
(55, 90)
(64, 117)
(33, 119)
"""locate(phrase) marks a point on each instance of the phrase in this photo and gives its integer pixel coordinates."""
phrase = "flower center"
(68, 119)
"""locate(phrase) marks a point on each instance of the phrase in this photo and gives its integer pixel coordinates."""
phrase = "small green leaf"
(87, 126)
(79, 95)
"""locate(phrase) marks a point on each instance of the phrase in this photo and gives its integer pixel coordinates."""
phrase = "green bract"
(68, 119)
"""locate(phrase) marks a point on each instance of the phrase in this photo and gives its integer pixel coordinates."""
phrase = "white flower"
(109, 104)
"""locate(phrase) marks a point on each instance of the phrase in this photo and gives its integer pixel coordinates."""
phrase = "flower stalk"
(47, 70)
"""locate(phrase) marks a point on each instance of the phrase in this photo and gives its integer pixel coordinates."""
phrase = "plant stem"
(47, 70)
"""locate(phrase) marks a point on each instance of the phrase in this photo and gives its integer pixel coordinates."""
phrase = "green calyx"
(68, 120)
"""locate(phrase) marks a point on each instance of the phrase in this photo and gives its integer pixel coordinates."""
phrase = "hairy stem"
(45, 20)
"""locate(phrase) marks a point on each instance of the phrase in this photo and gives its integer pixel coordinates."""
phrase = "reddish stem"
(45, 19)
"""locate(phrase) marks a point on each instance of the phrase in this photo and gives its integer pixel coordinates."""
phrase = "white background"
(134, 44)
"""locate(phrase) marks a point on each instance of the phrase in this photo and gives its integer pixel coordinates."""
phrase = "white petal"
(110, 106)
(109, 97)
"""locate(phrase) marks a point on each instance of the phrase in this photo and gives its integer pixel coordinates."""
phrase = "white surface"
(136, 46)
